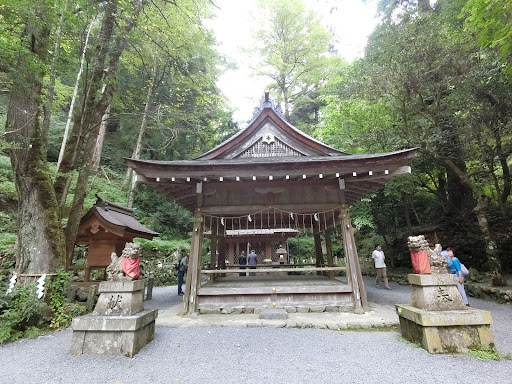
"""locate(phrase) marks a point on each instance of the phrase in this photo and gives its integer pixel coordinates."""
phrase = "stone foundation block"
(446, 331)
(113, 335)
(274, 314)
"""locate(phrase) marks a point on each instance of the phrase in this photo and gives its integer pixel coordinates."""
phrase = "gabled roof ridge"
(282, 159)
(266, 107)
(108, 205)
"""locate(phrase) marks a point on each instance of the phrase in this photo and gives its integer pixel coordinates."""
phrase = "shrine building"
(270, 179)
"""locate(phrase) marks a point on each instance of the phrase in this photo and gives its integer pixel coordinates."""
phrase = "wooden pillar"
(222, 254)
(318, 252)
(213, 254)
(268, 250)
(231, 252)
(355, 279)
(213, 251)
(328, 248)
(233, 259)
(194, 266)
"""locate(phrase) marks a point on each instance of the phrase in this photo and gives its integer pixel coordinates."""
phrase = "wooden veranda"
(272, 176)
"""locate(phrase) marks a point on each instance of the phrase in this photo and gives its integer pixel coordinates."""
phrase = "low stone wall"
(479, 289)
(486, 292)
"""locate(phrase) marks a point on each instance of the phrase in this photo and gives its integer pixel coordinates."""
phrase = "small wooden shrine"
(270, 175)
(263, 241)
(106, 228)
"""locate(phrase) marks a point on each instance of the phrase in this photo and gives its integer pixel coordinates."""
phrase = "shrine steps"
(251, 294)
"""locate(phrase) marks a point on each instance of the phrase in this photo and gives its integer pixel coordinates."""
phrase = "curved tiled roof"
(122, 218)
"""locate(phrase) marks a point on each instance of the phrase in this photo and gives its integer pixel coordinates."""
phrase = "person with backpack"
(456, 268)
(182, 269)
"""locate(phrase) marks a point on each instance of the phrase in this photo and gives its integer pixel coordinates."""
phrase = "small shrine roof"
(117, 218)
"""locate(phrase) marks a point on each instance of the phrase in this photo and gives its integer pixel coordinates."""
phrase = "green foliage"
(411, 343)
(292, 50)
(488, 353)
(157, 259)
(490, 21)
(62, 318)
(7, 261)
(20, 312)
(161, 214)
(8, 199)
(302, 247)
(158, 248)
(361, 214)
(7, 187)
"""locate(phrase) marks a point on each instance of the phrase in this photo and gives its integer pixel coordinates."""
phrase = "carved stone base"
(120, 298)
(113, 335)
(435, 292)
(119, 324)
(446, 331)
(438, 319)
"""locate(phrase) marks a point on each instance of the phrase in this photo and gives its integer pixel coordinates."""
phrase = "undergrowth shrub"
(63, 310)
(20, 313)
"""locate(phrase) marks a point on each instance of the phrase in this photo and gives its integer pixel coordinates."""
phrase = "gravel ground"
(260, 355)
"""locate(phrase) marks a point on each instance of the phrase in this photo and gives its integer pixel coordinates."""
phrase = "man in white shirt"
(378, 257)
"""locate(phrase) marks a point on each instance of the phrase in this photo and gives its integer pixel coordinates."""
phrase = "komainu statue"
(125, 267)
(425, 260)
(131, 260)
(115, 269)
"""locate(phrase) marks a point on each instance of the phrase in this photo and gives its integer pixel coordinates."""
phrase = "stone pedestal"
(119, 324)
(435, 292)
(438, 319)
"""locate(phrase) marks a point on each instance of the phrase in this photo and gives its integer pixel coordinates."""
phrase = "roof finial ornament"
(267, 92)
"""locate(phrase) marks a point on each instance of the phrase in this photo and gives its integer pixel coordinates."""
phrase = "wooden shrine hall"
(106, 228)
(270, 175)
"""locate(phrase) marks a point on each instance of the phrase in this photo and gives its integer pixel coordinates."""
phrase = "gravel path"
(259, 355)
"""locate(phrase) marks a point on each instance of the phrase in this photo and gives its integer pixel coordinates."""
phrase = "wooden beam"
(271, 270)
(356, 279)
(250, 185)
(247, 209)
(190, 304)
(328, 167)
(328, 248)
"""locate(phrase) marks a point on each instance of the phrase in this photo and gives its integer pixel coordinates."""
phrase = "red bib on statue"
(420, 263)
(131, 267)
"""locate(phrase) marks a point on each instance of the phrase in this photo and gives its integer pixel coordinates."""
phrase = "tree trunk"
(92, 123)
(142, 131)
(73, 98)
(482, 200)
(406, 213)
(40, 243)
(83, 119)
(50, 94)
(96, 157)
(490, 246)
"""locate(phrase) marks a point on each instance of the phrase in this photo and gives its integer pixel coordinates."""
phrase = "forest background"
(85, 84)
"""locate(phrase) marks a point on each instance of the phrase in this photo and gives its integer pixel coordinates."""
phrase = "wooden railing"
(267, 269)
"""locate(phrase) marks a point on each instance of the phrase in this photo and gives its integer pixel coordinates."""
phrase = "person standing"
(378, 258)
(455, 268)
(182, 269)
(242, 260)
(446, 255)
(252, 260)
